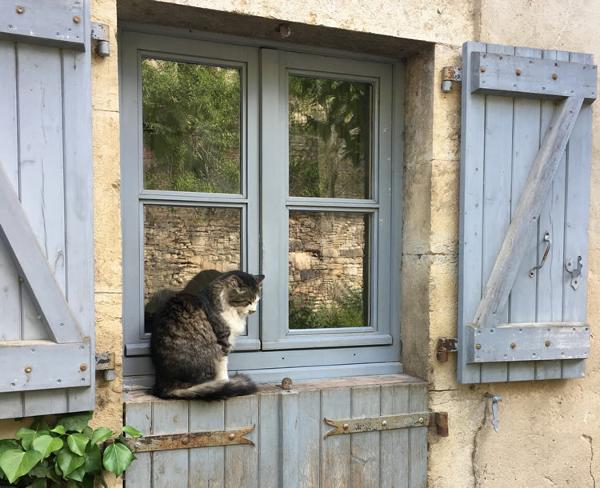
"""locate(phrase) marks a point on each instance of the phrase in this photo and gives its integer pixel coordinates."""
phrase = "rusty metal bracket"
(191, 440)
(444, 346)
(105, 362)
(450, 75)
(389, 422)
(100, 37)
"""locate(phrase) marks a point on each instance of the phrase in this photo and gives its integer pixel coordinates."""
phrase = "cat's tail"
(212, 390)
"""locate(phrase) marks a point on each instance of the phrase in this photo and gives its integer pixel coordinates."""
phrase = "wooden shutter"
(46, 254)
(525, 176)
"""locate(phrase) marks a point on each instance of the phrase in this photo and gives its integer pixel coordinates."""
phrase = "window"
(272, 161)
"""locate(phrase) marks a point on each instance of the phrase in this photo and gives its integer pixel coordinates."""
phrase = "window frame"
(337, 352)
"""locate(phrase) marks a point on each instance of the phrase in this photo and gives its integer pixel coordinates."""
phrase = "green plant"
(68, 453)
(349, 311)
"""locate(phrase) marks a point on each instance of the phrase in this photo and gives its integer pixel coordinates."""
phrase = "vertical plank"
(471, 216)
(526, 142)
(10, 300)
(310, 418)
(241, 462)
(272, 425)
(41, 185)
(579, 156)
(549, 278)
(139, 474)
(395, 443)
(290, 433)
(364, 447)
(207, 465)
(418, 439)
(170, 468)
(496, 198)
(335, 450)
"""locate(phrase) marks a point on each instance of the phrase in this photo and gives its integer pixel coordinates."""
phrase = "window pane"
(181, 244)
(329, 138)
(191, 127)
(328, 269)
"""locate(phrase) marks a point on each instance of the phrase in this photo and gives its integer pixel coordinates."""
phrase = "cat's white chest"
(235, 322)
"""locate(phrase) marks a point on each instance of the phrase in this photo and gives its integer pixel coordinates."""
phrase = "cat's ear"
(259, 279)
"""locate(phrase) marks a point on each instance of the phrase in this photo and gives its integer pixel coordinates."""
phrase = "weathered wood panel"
(290, 449)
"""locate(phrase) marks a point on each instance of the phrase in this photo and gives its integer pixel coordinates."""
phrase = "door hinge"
(389, 422)
(450, 74)
(444, 346)
(100, 38)
(105, 362)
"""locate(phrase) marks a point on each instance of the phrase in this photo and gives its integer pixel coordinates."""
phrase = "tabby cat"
(193, 334)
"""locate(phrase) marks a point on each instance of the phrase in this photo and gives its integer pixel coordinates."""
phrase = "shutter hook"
(495, 399)
(547, 239)
(574, 271)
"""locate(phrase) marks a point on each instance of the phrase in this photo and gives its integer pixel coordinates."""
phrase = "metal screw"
(478, 346)
(82, 367)
(28, 369)
(76, 19)
(346, 426)
(231, 436)
(547, 343)
(384, 423)
(482, 69)
(518, 72)
(554, 76)
(20, 9)
(421, 420)
(513, 345)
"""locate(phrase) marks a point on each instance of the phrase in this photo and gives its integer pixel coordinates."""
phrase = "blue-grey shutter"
(524, 202)
(46, 237)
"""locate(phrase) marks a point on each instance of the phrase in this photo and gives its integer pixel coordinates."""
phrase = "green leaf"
(59, 429)
(93, 459)
(46, 445)
(26, 437)
(68, 462)
(39, 423)
(6, 444)
(78, 474)
(39, 483)
(16, 463)
(75, 422)
(101, 434)
(116, 458)
(132, 431)
(77, 443)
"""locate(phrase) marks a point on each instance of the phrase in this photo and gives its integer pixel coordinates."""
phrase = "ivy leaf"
(77, 443)
(46, 445)
(93, 459)
(76, 422)
(78, 474)
(116, 458)
(16, 463)
(39, 423)
(132, 431)
(6, 444)
(101, 434)
(68, 462)
(26, 437)
(59, 429)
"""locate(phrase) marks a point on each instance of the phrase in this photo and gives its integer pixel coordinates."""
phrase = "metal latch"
(100, 37)
(444, 346)
(105, 362)
(450, 74)
(574, 271)
(389, 422)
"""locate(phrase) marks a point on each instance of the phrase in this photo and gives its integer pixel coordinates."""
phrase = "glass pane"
(329, 138)
(191, 122)
(182, 248)
(328, 269)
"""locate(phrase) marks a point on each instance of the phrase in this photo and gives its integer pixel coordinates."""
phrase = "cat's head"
(240, 290)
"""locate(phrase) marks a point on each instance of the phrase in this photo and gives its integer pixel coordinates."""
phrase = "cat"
(193, 334)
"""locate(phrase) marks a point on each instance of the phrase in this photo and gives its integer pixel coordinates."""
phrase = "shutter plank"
(241, 462)
(270, 424)
(10, 299)
(496, 198)
(526, 143)
(170, 418)
(364, 448)
(418, 439)
(471, 217)
(139, 474)
(579, 155)
(395, 443)
(335, 450)
(310, 418)
(207, 464)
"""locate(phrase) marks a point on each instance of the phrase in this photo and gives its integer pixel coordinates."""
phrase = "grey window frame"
(270, 349)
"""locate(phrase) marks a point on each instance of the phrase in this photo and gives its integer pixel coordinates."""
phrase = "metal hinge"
(444, 346)
(100, 37)
(389, 422)
(105, 362)
(191, 440)
(450, 74)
